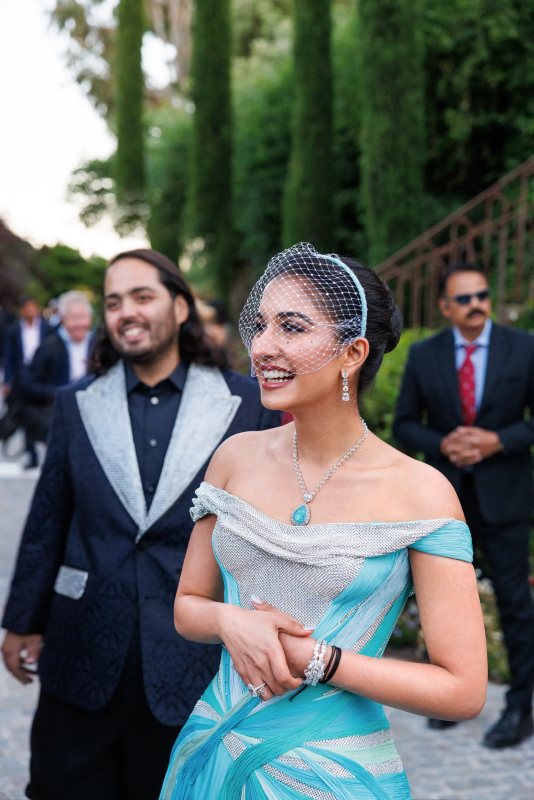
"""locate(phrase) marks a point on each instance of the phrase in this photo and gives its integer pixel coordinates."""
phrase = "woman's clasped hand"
(267, 647)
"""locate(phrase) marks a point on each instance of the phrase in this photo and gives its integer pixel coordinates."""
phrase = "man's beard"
(153, 353)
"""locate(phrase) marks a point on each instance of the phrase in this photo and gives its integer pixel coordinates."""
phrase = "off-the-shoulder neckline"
(440, 522)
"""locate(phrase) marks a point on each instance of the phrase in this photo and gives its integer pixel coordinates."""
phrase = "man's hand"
(6, 388)
(466, 446)
(13, 647)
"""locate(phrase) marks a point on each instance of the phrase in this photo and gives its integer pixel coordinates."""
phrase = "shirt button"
(150, 489)
(152, 443)
(154, 401)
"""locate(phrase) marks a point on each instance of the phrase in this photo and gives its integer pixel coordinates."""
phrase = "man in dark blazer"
(21, 341)
(463, 404)
(102, 549)
(62, 358)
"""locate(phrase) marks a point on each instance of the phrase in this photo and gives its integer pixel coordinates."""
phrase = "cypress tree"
(393, 123)
(211, 180)
(130, 161)
(308, 198)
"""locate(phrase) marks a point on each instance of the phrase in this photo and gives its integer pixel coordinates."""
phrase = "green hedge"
(378, 405)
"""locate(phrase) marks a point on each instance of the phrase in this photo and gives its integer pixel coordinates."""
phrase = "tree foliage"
(479, 92)
(129, 80)
(168, 170)
(479, 74)
(308, 212)
(391, 51)
(63, 268)
(91, 51)
(211, 175)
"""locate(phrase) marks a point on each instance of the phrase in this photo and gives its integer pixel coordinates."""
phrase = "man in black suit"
(104, 543)
(7, 316)
(62, 358)
(462, 403)
(21, 342)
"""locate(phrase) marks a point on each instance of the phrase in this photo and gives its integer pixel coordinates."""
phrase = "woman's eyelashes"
(285, 326)
(292, 327)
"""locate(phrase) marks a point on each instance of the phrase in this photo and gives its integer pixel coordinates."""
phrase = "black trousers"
(119, 753)
(505, 546)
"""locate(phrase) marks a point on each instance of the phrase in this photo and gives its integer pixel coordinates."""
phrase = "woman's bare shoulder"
(240, 450)
(427, 493)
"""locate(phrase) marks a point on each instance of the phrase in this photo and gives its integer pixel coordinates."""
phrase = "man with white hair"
(61, 359)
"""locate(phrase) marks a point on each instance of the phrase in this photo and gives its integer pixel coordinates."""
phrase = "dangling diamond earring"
(345, 376)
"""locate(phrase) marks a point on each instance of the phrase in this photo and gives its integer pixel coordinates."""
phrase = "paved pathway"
(16, 701)
(448, 765)
(453, 765)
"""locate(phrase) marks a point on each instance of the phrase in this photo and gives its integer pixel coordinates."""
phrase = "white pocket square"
(71, 582)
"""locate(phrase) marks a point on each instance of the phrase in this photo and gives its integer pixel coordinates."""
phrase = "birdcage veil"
(307, 306)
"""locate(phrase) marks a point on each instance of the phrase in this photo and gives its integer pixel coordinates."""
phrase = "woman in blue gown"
(273, 567)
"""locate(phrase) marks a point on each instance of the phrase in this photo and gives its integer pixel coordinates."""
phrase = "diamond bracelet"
(315, 669)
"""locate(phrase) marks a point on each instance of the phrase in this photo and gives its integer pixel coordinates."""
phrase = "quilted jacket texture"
(77, 519)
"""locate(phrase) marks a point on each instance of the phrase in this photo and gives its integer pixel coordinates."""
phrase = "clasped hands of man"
(467, 445)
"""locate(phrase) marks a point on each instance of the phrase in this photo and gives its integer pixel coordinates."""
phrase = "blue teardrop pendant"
(301, 515)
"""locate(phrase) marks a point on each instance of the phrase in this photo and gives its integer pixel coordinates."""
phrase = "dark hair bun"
(396, 325)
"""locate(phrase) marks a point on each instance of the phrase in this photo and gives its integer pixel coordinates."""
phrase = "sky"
(47, 128)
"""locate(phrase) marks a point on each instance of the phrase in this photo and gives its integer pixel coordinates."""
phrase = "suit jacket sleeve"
(43, 539)
(520, 435)
(408, 425)
(36, 384)
(9, 354)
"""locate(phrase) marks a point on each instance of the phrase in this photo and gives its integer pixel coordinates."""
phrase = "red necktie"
(466, 381)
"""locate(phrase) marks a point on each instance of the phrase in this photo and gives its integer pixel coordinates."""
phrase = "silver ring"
(256, 691)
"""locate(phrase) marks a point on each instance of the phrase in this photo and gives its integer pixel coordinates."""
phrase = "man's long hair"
(192, 342)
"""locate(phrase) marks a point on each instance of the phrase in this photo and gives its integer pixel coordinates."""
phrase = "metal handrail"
(496, 238)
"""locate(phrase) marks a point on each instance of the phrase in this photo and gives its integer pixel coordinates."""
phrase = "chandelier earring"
(345, 396)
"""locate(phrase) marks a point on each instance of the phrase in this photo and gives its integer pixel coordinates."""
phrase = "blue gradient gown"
(350, 581)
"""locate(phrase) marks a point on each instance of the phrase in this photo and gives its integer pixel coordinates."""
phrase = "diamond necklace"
(301, 515)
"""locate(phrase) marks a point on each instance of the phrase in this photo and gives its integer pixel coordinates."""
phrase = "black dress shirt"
(153, 411)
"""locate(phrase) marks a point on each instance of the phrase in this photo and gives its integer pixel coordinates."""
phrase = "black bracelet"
(333, 664)
(325, 674)
(339, 653)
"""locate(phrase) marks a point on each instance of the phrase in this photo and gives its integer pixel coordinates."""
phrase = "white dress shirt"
(78, 354)
(479, 358)
(31, 338)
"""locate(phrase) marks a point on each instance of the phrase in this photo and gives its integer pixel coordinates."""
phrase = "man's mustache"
(133, 323)
(476, 311)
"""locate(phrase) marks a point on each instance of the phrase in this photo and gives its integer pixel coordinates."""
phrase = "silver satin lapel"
(104, 412)
(206, 411)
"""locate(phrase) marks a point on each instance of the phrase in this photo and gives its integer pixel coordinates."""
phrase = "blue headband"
(361, 292)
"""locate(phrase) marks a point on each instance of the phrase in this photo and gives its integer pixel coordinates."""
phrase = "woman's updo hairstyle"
(384, 321)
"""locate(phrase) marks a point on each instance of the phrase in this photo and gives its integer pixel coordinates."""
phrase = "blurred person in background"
(103, 546)
(51, 313)
(7, 316)
(216, 329)
(463, 404)
(212, 315)
(61, 359)
(21, 341)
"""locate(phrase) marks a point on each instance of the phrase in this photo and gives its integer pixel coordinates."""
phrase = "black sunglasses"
(465, 299)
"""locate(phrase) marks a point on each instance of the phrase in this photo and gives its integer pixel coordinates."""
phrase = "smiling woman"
(305, 608)
(309, 308)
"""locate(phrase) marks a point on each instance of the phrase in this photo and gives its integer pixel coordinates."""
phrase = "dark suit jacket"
(48, 371)
(93, 563)
(6, 319)
(428, 408)
(13, 350)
